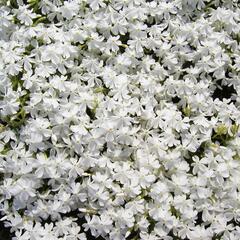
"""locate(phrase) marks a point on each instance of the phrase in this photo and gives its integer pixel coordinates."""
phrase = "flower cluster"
(120, 118)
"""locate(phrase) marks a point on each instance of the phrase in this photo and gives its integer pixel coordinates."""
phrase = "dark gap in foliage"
(224, 91)
(187, 64)
(13, 4)
(217, 236)
(134, 235)
(151, 21)
(122, 49)
(104, 148)
(44, 187)
(176, 99)
(234, 222)
(151, 53)
(199, 220)
(91, 113)
(5, 233)
(190, 162)
(124, 38)
(236, 37)
(152, 224)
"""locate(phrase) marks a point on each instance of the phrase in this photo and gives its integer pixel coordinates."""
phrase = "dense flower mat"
(120, 118)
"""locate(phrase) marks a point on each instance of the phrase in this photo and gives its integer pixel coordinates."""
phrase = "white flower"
(69, 9)
(123, 115)
(112, 44)
(145, 178)
(25, 15)
(10, 104)
(199, 233)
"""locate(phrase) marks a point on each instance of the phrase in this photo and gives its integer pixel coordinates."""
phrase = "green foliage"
(7, 147)
(16, 81)
(39, 20)
(186, 111)
(34, 5)
(16, 120)
(175, 212)
(103, 90)
(223, 134)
